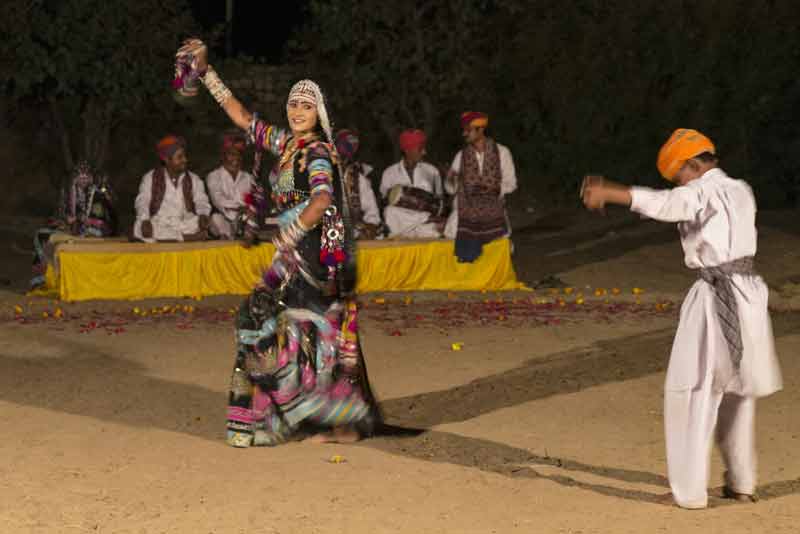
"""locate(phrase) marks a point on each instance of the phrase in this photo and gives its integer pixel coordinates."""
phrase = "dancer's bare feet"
(338, 435)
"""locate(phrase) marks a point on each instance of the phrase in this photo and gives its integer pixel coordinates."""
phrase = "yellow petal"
(457, 346)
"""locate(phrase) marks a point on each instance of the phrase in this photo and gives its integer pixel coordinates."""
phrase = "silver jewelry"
(215, 86)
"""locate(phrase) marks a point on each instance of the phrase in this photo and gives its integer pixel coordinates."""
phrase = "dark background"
(261, 29)
(577, 87)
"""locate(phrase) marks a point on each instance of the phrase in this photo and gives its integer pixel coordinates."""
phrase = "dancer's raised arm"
(198, 52)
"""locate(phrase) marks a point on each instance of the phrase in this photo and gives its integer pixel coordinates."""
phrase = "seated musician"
(172, 204)
(364, 210)
(86, 209)
(413, 192)
(228, 185)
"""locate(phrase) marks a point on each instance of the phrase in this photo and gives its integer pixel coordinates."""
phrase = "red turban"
(474, 118)
(412, 139)
(682, 145)
(167, 147)
(233, 142)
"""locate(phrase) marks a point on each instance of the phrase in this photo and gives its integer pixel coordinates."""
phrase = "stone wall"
(262, 88)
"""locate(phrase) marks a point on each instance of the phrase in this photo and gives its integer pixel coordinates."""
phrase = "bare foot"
(338, 435)
(728, 493)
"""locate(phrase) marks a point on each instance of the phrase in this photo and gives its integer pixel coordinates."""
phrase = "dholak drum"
(414, 198)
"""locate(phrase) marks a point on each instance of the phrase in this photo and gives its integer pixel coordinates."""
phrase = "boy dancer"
(723, 356)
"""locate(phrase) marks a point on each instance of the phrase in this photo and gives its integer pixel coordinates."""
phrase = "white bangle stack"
(215, 86)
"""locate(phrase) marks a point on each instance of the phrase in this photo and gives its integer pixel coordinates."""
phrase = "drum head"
(395, 193)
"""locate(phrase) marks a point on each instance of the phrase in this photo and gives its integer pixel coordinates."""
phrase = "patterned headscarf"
(682, 145)
(347, 143)
(309, 91)
(474, 119)
(170, 144)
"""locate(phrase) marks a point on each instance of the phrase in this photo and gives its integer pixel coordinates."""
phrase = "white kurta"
(172, 221)
(406, 223)
(716, 220)
(227, 196)
(371, 214)
(508, 184)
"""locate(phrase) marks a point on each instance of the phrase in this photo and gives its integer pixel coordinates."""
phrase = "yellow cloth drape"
(137, 271)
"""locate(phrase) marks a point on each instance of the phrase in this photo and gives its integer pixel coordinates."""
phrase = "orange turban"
(412, 139)
(475, 119)
(682, 145)
(170, 144)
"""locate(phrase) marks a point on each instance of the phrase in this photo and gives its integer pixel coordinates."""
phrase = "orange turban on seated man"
(474, 119)
(412, 139)
(683, 145)
(170, 144)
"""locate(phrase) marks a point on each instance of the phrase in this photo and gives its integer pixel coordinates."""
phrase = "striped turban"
(474, 119)
(170, 144)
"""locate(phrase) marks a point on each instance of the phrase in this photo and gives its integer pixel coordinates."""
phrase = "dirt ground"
(508, 412)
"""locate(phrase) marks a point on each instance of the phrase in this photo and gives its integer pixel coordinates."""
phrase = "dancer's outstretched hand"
(593, 192)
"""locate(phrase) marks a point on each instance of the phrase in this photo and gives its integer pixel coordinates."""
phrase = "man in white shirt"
(172, 204)
(413, 189)
(227, 186)
(363, 204)
(723, 357)
(479, 214)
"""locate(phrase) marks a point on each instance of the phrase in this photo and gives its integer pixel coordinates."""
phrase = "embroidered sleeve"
(267, 136)
(320, 170)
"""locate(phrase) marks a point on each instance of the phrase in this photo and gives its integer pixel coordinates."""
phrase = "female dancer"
(299, 367)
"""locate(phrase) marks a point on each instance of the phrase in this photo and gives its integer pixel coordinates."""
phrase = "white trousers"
(690, 419)
(409, 224)
(168, 228)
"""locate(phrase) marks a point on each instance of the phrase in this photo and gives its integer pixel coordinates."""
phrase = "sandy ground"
(548, 420)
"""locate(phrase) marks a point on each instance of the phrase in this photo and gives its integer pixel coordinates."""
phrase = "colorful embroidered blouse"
(305, 167)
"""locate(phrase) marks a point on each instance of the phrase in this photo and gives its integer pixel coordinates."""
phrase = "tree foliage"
(92, 62)
(573, 87)
(394, 65)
